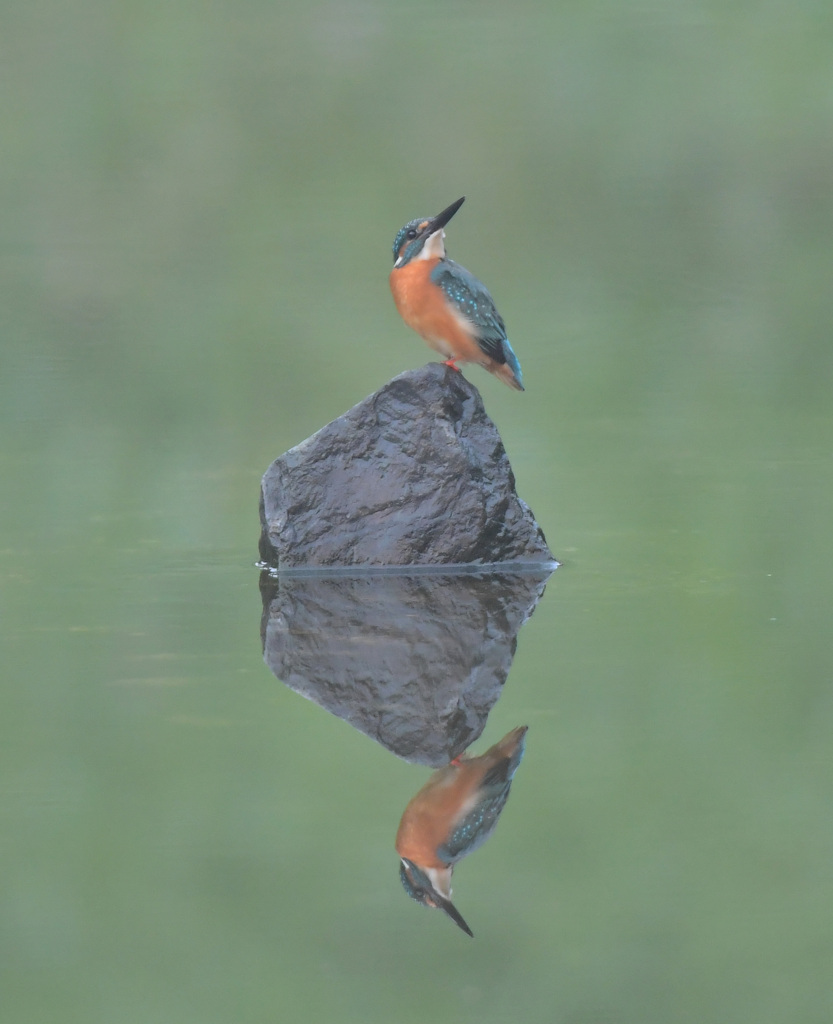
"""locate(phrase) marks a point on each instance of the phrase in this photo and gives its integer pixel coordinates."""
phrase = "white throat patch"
(441, 880)
(433, 247)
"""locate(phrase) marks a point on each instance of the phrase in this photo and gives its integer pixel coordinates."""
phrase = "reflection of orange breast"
(423, 307)
(431, 815)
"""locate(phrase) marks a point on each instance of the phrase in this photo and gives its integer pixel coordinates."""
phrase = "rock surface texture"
(415, 475)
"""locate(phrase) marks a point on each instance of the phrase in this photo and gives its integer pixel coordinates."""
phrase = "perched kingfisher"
(447, 305)
(450, 817)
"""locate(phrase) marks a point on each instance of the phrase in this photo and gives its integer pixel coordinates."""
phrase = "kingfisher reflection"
(453, 814)
(416, 662)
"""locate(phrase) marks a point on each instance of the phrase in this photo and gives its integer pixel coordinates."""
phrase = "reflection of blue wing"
(479, 823)
(474, 829)
(471, 298)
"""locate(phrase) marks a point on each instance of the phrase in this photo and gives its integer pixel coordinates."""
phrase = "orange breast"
(423, 307)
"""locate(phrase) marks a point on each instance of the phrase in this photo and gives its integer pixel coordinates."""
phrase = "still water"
(196, 231)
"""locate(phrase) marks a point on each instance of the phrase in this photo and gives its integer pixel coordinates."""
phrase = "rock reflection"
(416, 662)
(453, 814)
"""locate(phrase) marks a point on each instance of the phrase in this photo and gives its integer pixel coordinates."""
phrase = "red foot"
(453, 364)
(456, 761)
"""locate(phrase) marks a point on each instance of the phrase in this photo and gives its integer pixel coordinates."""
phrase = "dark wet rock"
(415, 662)
(416, 474)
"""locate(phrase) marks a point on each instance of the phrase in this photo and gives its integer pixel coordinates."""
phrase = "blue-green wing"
(475, 828)
(473, 301)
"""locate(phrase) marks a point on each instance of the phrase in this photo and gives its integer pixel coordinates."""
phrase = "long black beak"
(448, 906)
(443, 218)
(419, 887)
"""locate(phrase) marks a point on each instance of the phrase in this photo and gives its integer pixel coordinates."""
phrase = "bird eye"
(412, 233)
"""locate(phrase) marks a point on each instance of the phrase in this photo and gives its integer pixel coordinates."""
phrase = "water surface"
(197, 221)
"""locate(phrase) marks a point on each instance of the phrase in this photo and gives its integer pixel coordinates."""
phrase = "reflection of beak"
(447, 905)
(419, 886)
(443, 218)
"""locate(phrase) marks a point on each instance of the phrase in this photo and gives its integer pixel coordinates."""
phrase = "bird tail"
(511, 749)
(514, 377)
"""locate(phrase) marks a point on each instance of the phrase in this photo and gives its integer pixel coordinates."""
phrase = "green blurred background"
(197, 210)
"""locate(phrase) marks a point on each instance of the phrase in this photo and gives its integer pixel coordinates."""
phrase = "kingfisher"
(453, 814)
(446, 304)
